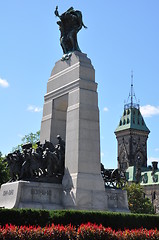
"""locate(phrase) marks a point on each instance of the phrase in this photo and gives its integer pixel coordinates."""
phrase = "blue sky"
(121, 36)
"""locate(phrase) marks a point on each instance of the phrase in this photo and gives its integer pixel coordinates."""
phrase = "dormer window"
(138, 121)
(133, 119)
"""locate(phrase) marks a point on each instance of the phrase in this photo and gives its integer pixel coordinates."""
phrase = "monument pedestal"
(49, 196)
(71, 110)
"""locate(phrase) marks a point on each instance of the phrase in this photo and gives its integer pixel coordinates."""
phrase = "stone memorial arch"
(71, 110)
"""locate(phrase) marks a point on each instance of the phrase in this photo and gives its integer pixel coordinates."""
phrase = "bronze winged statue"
(70, 24)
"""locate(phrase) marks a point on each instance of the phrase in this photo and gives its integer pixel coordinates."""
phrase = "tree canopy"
(29, 138)
(136, 200)
(4, 173)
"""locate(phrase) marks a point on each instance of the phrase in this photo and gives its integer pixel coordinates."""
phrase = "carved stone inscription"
(8, 192)
(41, 192)
(113, 197)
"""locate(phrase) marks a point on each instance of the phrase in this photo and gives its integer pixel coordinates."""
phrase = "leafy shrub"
(87, 231)
(136, 200)
(51, 232)
(93, 232)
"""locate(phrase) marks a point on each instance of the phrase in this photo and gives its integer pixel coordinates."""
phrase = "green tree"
(136, 200)
(29, 138)
(4, 172)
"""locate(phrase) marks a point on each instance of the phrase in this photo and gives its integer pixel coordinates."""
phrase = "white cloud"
(4, 83)
(149, 111)
(20, 135)
(105, 109)
(102, 154)
(33, 108)
(157, 149)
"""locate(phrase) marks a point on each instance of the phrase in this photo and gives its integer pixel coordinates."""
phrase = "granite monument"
(67, 174)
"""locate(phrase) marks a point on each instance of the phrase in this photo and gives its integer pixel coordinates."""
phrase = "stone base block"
(49, 196)
(25, 194)
(85, 200)
(84, 191)
(117, 200)
(114, 200)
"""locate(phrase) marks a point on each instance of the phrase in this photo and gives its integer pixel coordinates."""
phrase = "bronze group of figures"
(44, 163)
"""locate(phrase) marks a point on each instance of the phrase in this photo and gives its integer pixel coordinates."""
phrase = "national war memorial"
(64, 171)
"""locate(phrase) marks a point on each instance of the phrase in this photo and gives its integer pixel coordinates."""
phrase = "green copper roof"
(147, 178)
(130, 175)
(132, 119)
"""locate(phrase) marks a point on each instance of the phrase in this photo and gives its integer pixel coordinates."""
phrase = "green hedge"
(108, 219)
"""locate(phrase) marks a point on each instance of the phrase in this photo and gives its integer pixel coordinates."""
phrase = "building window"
(138, 112)
(138, 121)
(154, 195)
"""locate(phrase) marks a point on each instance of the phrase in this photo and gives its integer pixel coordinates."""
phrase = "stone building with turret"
(132, 135)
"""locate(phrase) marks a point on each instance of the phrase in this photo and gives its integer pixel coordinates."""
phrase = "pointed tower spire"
(132, 96)
(132, 93)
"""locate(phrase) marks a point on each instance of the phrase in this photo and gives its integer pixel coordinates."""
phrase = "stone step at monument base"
(50, 196)
(40, 206)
